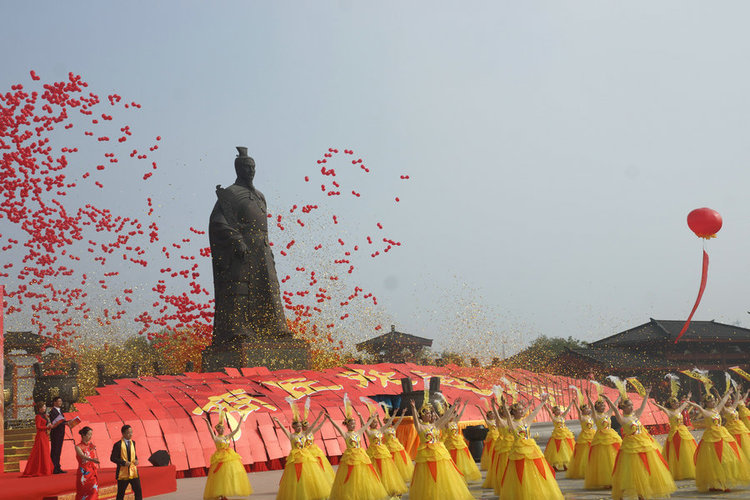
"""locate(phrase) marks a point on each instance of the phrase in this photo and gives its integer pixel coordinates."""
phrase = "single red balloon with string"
(705, 223)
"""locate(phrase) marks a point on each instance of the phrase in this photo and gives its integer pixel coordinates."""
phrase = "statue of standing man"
(248, 300)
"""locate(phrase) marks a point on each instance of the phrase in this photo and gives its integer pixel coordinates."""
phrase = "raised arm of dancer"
(461, 413)
(359, 416)
(316, 425)
(644, 402)
(530, 418)
(724, 400)
(288, 434)
(452, 412)
(336, 426)
(415, 416)
(367, 425)
(208, 423)
(591, 404)
(400, 419)
(567, 410)
(613, 408)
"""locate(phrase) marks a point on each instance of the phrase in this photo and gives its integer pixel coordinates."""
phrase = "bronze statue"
(246, 289)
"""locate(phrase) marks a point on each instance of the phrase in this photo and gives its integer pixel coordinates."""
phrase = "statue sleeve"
(221, 232)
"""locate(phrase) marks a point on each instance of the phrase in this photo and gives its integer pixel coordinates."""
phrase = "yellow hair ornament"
(579, 395)
(307, 408)
(620, 384)
(295, 410)
(347, 407)
(674, 384)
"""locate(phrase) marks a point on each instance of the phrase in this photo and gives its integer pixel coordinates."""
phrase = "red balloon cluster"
(40, 201)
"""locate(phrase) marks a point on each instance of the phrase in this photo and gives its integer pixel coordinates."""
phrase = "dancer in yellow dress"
(459, 450)
(356, 478)
(603, 449)
(226, 475)
(560, 447)
(736, 426)
(743, 411)
(719, 464)
(402, 459)
(381, 457)
(577, 468)
(490, 420)
(435, 474)
(640, 471)
(309, 432)
(500, 448)
(527, 475)
(303, 478)
(680, 446)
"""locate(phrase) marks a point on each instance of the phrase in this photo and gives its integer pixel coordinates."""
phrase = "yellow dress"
(560, 447)
(679, 449)
(602, 453)
(303, 478)
(460, 453)
(719, 464)
(489, 441)
(317, 452)
(640, 470)
(356, 478)
(402, 459)
(383, 460)
(500, 451)
(577, 467)
(744, 414)
(739, 431)
(435, 474)
(226, 475)
(527, 476)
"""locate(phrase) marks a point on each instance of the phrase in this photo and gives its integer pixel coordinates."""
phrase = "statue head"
(244, 166)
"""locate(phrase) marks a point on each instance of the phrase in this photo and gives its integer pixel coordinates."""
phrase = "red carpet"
(154, 481)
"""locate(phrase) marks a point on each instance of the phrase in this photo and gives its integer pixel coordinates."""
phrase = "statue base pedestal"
(274, 354)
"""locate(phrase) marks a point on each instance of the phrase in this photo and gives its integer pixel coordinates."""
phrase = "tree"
(543, 350)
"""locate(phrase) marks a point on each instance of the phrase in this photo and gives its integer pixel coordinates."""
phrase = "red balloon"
(704, 222)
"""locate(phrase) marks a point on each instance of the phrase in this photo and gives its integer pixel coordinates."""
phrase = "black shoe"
(59, 472)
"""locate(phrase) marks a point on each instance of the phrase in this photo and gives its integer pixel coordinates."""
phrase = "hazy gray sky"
(554, 148)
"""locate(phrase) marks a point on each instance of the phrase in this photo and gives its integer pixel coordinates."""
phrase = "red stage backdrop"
(166, 411)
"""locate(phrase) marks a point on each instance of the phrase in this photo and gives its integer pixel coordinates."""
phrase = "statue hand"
(240, 248)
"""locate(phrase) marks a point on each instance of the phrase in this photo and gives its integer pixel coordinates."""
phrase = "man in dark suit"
(123, 454)
(56, 434)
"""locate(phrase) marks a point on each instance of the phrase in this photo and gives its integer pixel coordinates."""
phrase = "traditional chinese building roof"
(615, 359)
(26, 341)
(166, 411)
(393, 340)
(664, 331)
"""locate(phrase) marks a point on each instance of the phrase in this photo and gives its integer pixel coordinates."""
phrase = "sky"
(554, 148)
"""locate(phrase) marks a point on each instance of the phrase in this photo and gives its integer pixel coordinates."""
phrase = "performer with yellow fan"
(527, 476)
(742, 409)
(603, 448)
(401, 459)
(309, 432)
(226, 474)
(381, 457)
(560, 447)
(640, 471)
(459, 450)
(435, 474)
(577, 468)
(303, 477)
(356, 478)
(679, 449)
(719, 464)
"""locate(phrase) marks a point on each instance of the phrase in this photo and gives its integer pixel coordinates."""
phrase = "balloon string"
(704, 278)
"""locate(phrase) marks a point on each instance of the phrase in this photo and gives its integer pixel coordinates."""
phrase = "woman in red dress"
(40, 463)
(87, 480)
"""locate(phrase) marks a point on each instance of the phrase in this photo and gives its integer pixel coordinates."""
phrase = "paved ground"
(264, 485)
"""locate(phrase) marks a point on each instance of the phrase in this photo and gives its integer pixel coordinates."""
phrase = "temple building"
(395, 347)
(650, 349)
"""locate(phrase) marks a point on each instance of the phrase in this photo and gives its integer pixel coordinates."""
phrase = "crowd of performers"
(631, 464)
